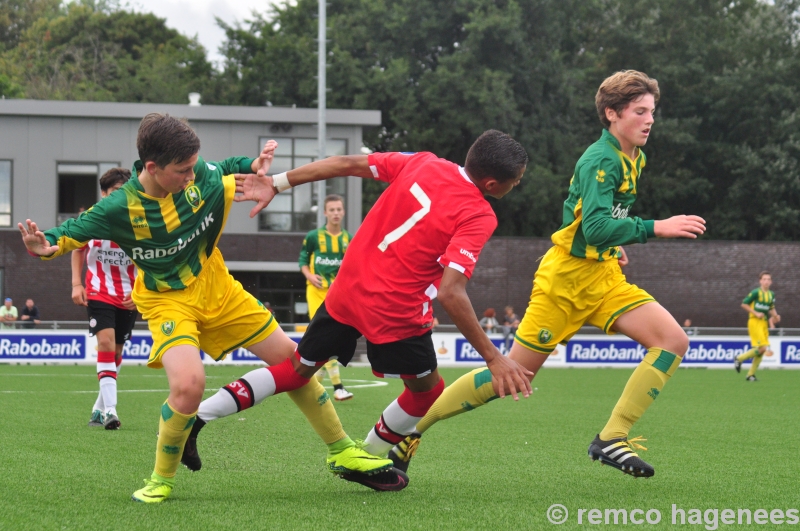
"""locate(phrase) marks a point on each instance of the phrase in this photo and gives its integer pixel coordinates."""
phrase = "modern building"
(53, 152)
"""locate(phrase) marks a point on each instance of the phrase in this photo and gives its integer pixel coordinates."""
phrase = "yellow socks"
(173, 430)
(314, 402)
(747, 355)
(643, 387)
(472, 390)
(754, 366)
(333, 372)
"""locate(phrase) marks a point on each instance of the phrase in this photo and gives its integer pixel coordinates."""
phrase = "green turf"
(715, 440)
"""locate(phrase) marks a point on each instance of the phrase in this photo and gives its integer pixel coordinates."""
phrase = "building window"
(290, 211)
(5, 193)
(79, 187)
(286, 295)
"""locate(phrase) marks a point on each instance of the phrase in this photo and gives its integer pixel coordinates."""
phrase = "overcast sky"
(196, 17)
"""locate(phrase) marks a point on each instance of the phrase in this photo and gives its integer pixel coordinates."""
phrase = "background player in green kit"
(168, 219)
(760, 306)
(320, 260)
(579, 280)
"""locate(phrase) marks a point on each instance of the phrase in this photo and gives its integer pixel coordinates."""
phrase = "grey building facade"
(53, 152)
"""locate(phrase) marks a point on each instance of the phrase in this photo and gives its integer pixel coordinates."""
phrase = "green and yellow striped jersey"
(323, 253)
(601, 193)
(169, 239)
(760, 301)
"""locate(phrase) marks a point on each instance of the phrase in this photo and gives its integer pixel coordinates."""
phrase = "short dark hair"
(113, 177)
(164, 139)
(330, 198)
(761, 275)
(495, 154)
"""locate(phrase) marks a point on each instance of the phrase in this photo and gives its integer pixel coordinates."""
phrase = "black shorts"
(103, 315)
(327, 339)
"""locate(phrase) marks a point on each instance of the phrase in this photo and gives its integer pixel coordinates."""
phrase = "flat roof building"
(53, 152)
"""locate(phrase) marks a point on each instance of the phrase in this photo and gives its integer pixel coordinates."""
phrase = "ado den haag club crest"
(167, 327)
(193, 197)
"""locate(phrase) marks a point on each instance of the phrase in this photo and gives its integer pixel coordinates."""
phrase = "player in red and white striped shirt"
(110, 275)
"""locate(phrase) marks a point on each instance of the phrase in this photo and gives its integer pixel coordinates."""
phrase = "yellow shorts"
(569, 292)
(758, 329)
(214, 313)
(314, 296)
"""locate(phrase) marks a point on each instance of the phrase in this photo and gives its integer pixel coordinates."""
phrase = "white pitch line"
(364, 384)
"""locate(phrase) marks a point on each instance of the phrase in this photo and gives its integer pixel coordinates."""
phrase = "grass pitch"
(716, 442)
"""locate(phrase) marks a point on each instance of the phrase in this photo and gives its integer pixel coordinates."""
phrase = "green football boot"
(354, 459)
(153, 492)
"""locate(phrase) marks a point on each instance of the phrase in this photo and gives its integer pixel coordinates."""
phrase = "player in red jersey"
(110, 275)
(421, 240)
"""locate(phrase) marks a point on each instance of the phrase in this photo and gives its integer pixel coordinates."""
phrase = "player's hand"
(623, 260)
(254, 187)
(776, 318)
(264, 161)
(680, 227)
(128, 303)
(316, 281)
(34, 239)
(79, 295)
(758, 315)
(510, 374)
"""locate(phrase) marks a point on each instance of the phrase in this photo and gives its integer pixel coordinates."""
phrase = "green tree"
(16, 16)
(96, 51)
(724, 146)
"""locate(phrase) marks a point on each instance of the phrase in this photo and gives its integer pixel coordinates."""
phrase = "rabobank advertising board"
(42, 346)
(452, 349)
(610, 350)
(790, 352)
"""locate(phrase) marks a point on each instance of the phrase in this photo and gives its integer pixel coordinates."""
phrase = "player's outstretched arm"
(680, 227)
(261, 188)
(506, 372)
(34, 239)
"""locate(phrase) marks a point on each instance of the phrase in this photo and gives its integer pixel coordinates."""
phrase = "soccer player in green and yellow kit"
(760, 305)
(168, 219)
(320, 260)
(579, 280)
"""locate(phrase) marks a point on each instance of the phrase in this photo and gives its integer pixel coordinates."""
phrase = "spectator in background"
(510, 325)
(8, 314)
(489, 323)
(30, 315)
(687, 327)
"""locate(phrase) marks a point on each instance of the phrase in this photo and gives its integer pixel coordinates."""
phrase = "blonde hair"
(621, 88)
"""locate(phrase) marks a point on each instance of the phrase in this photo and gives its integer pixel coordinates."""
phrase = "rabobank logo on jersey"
(43, 346)
(790, 352)
(466, 352)
(709, 351)
(605, 351)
